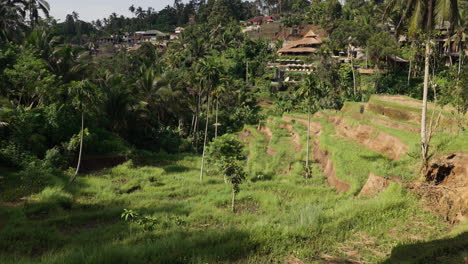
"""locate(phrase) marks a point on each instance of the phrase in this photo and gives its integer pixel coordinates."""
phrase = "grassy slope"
(279, 212)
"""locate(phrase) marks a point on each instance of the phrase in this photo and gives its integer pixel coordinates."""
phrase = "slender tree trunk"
(197, 120)
(81, 148)
(308, 142)
(247, 74)
(354, 76)
(409, 73)
(367, 58)
(460, 60)
(216, 124)
(204, 141)
(233, 202)
(192, 125)
(424, 142)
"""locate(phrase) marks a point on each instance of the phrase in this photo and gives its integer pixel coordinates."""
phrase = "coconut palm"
(33, 7)
(152, 89)
(210, 68)
(11, 19)
(424, 16)
(310, 92)
(83, 94)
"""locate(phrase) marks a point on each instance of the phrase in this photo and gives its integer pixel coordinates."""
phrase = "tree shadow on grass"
(173, 168)
(373, 158)
(201, 246)
(449, 250)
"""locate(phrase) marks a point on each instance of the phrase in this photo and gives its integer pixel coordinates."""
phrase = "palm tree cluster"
(147, 98)
(17, 15)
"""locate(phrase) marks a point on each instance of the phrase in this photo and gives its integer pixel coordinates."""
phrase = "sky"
(89, 10)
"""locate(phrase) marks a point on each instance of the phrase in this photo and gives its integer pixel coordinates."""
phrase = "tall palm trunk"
(81, 147)
(409, 73)
(206, 137)
(352, 70)
(460, 59)
(217, 110)
(197, 120)
(410, 64)
(308, 141)
(424, 140)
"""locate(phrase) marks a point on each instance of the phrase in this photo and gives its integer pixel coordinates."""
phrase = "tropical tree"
(150, 87)
(310, 93)
(226, 153)
(424, 16)
(84, 95)
(211, 69)
(11, 19)
(33, 7)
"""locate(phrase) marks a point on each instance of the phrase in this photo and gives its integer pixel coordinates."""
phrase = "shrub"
(56, 196)
(54, 158)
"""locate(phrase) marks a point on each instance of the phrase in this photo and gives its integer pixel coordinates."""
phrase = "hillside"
(365, 201)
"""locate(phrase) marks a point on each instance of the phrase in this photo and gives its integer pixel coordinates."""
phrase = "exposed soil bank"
(370, 137)
(374, 185)
(268, 135)
(295, 138)
(245, 135)
(322, 157)
(445, 187)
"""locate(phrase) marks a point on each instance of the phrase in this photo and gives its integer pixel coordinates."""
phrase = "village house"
(306, 46)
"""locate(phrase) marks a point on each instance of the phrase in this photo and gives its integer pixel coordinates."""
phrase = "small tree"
(235, 174)
(83, 94)
(226, 153)
(310, 93)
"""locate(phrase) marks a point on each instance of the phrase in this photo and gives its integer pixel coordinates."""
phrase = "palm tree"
(83, 93)
(132, 9)
(151, 88)
(11, 19)
(33, 7)
(424, 16)
(310, 92)
(210, 68)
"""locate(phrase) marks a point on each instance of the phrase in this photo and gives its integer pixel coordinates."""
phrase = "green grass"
(275, 218)
(279, 212)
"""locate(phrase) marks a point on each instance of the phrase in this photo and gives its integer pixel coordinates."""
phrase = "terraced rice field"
(357, 207)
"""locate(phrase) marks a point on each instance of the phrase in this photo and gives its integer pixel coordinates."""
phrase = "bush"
(56, 196)
(54, 158)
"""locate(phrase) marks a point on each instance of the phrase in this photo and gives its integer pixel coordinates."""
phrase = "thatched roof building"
(303, 47)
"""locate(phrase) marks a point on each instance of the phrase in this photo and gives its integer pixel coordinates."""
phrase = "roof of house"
(398, 59)
(298, 50)
(310, 34)
(305, 45)
(257, 19)
(153, 32)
